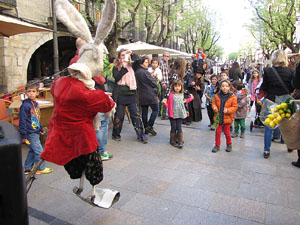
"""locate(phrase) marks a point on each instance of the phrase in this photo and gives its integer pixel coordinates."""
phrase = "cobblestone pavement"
(160, 184)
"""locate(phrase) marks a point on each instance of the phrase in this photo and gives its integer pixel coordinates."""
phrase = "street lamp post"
(55, 42)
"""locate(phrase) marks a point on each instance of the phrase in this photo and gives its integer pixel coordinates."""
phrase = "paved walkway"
(160, 184)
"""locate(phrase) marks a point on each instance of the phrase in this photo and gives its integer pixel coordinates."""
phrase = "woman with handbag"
(296, 84)
(276, 82)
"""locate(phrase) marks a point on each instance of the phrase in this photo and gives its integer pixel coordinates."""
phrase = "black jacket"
(296, 77)
(272, 86)
(147, 87)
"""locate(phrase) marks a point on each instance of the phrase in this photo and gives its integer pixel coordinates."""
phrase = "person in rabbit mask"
(71, 140)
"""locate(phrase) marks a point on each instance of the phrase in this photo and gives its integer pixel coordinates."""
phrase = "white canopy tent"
(143, 48)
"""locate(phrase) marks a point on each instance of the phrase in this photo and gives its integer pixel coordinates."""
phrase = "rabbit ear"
(106, 22)
(72, 19)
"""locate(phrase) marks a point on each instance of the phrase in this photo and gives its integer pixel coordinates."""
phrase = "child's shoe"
(105, 156)
(242, 135)
(28, 171)
(215, 149)
(180, 140)
(228, 148)
(173, 139)
(45, 171)
(234, 135)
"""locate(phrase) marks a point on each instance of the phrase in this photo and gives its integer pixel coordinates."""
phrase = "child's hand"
(197, 88)
(164, 101)
(192, 96)
(193, 83)
(225, 110)
(42, 132)
(215, 109)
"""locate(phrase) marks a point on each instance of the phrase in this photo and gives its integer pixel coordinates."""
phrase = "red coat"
(71, 131)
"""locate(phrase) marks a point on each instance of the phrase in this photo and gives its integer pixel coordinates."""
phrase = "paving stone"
(189, 196)
(195, 216)
(277, 215)
(218, 185)
(245, 222)
(107, 217)
(257, 192)
(186, 179)
(115, 177)
(260, 168)
(149, 207)
(35, 221)
(289, 171)
(146, 186)
(239, 207)
(294, 200)
(270, 181)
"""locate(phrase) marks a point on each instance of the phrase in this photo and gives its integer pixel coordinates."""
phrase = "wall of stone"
(16, 51)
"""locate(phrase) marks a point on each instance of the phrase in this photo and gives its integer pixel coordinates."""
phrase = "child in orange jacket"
(224, 103)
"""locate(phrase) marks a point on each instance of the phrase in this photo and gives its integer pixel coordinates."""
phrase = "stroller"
(258, 106)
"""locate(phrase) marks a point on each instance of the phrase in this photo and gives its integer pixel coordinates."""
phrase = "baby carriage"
(256, 123)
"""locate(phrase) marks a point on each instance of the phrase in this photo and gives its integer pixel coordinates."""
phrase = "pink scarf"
(128, 79)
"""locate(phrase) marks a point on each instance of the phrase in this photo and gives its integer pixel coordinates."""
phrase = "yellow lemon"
(278, 107)
(272, 124)
(282, 115)
(271, 116)
(284, 105)
(288, 111)
(279, 118)
(287, 115)
(275, 121)
(267, 121)
(280, 111)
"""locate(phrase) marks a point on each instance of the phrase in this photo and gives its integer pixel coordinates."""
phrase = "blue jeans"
(35, 150)
(102, 133)
(150, 122)
(268, 137)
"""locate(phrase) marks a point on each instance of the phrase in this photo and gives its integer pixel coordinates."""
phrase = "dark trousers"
(163, 110)
(175, 125)
(134, 116)
(210, 113)
(150, 122)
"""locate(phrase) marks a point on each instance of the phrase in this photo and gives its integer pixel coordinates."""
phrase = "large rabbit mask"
(91, 54)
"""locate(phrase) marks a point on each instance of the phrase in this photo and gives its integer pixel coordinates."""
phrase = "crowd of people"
(176, 91)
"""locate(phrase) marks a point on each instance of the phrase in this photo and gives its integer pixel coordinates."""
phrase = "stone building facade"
(16, 51)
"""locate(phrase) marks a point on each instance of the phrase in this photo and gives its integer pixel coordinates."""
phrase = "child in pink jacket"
(176, 112)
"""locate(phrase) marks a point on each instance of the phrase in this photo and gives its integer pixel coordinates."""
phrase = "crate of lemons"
(280, 112)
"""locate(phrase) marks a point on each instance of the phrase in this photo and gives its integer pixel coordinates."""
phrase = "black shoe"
(147, 130)
(266, 155)
(289, 150)
(296, 164)
(116, 138)
(152, 131)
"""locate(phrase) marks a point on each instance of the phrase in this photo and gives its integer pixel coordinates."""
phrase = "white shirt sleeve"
(158, 73)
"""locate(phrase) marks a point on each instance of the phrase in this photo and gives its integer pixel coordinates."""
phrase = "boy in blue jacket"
(30, 129)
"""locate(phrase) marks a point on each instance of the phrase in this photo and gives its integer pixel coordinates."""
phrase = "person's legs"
(297, 163)
(243, 127)
(276, 133)
(29, 160)
(163, 109)
(37, 148)
(218, 135)
(137, 122)
(267, 141)
(118, 122)
(173, 132)
(179, 132)
(210, 113)
(227, 134)
(145, 115)
(154, 108)
(236, 127)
